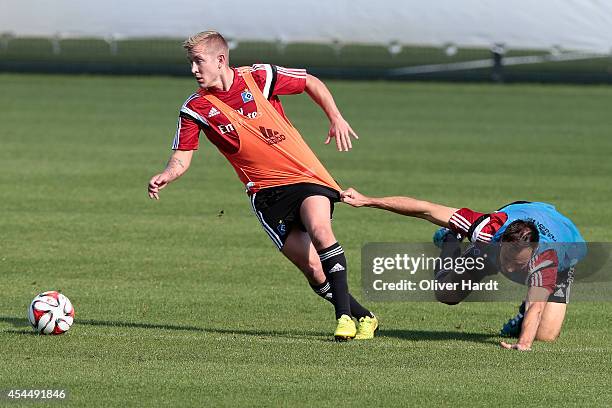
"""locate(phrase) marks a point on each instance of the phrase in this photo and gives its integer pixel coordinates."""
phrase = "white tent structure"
(579, 25)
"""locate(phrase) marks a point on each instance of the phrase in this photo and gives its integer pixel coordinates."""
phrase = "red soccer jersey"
(543, 270)
(542, 267)
(198, 114)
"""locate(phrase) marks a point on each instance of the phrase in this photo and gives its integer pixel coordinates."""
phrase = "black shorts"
(278, 208)
(562, 287)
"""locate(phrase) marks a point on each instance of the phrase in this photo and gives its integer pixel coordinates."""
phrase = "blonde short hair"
(211, 38)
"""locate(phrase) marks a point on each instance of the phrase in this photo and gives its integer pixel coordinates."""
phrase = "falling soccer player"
(535, 240)
(291, 193)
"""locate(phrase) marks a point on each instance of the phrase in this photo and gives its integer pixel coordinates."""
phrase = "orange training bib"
(272, 152)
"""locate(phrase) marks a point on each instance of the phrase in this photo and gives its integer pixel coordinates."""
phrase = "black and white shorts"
(562, 286)
(278, 208)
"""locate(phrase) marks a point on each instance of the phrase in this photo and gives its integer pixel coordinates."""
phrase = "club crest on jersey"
(213, 112)
(247, 96)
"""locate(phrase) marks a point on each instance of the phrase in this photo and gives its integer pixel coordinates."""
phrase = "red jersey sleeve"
(289, 81)
(273, 80)
(543, 270)
(187, 134)
(461, 221)
(191, 120)
(483, 226)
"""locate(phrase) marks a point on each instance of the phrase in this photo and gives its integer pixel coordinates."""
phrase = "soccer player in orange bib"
(291, 193)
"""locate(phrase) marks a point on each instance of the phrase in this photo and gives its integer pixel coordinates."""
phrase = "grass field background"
(178, 305)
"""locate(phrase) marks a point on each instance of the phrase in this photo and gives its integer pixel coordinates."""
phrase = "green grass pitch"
(180, 305)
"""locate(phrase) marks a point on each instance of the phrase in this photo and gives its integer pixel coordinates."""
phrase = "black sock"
(357, 310)
(324, 290)
(334, 267)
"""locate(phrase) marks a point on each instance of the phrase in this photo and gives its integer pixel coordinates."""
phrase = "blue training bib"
(556, 231)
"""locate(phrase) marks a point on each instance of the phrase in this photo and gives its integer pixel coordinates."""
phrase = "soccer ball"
(51, 313)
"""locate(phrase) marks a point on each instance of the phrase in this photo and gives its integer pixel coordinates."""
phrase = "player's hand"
(516, 346)
(353, 197)
(156, 183)
(340, 130)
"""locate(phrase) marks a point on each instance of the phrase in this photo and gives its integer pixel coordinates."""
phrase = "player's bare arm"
(412, 207)
(177, 166)
(532, 320)
(338, 128)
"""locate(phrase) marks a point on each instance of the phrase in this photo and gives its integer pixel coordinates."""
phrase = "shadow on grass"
(21, 322)
(18, 322)
(405, 334)
(15, 321)
(432, 335)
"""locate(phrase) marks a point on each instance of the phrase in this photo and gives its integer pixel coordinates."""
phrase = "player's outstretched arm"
(338, 128)
(536, 302)
(412, 207)
(177, 166)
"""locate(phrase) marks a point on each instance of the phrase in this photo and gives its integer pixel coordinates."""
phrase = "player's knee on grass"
(547, 336)
(449, 297)
(551, 322)
(451, 248)
(449, 302)
(446, 297)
